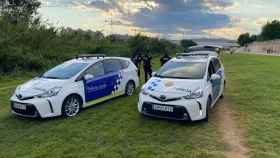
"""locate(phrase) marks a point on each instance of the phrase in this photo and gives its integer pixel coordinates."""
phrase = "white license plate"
(162, 108)
(20, 106)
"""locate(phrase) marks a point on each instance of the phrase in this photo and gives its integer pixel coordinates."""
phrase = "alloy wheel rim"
(130, 89)
(72, 107)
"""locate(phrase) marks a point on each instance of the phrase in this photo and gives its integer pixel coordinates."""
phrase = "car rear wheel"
(71, 106)
(130, 87)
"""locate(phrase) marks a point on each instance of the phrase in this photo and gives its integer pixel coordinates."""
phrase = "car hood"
(37, 86)
(173, 86)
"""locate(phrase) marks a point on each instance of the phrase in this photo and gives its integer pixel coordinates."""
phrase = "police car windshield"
(183, 70)
(65, 70)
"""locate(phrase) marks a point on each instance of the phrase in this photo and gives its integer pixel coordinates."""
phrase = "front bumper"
(179, 113)
(35, 107)
(192, 109)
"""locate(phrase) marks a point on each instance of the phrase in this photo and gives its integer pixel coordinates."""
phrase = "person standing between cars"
(165, 58)
(137, 61)
(147, 65)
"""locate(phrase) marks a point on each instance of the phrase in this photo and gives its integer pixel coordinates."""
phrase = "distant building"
(225, 43)
(267, 47)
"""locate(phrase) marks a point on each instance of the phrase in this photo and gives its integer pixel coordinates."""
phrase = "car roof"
(92, 60)
(196, 56)
(190, 59)
(209, 53)
(204, 48)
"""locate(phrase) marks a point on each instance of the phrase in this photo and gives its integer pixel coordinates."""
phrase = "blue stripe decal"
(102, 86)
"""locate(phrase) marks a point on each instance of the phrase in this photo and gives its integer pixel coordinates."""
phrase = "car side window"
(211, 70)
(96, 70)
(112, 65)
(124, 64)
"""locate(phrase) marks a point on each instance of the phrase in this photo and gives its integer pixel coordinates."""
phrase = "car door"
(217, 84)
(95, 88)
(114, 77)
(127, 73)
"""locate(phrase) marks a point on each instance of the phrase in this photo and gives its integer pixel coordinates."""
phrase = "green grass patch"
(253, 86)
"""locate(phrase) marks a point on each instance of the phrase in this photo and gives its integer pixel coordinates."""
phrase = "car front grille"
(30, 111)
(179, 112)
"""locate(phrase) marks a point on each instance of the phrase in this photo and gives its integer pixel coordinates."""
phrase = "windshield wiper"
(188, 78)
(158, 76)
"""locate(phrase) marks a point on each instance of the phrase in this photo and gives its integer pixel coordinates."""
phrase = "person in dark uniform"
(147, 65)
(137, 61)
(165, 58)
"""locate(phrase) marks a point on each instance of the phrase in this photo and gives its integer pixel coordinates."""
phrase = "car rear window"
(111, 65)
(124, 64)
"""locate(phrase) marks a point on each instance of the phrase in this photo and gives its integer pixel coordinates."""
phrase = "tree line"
(270, 31)
(29, 44)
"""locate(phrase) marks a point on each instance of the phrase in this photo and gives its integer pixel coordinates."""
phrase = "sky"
(172, 19)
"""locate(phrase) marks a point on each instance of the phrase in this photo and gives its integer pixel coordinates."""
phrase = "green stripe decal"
(96, 101)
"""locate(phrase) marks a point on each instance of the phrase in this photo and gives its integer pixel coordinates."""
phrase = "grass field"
(253, 87)
(115, 129)
(110, 130)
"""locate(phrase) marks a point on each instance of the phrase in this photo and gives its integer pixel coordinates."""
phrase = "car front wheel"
(71, 106)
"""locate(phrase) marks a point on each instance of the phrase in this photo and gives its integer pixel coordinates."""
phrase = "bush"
(37, 47)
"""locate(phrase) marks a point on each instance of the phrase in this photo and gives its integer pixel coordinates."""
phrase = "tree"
(253, 38)
(138, 44)
(187, 43)
(270, 31)
(244, 39)
(19, 10)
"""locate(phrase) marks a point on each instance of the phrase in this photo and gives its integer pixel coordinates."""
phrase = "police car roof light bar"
(91, 56)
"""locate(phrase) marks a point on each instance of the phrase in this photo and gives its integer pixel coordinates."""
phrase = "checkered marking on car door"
(118, 82)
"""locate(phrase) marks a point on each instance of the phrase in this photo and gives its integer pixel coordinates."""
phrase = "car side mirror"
(215, 77)
(88, 77)
(154, 73)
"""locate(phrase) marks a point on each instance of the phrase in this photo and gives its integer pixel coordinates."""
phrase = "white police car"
(185, 88)
(75, 84)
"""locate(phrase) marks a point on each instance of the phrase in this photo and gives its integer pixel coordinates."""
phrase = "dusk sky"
(173, 19)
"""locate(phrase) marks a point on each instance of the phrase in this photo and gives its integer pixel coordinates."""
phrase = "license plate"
(162, 108)
(20, 106)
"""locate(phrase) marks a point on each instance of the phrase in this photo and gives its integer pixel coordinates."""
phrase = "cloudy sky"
(174, 19)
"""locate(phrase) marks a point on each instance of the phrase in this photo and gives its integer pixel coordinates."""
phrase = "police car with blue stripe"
(185, 88)
(75, 84)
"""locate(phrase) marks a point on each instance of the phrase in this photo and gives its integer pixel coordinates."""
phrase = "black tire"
(71, 106)
(209, 101)
(129, 88)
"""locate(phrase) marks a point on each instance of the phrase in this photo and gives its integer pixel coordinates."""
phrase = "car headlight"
(144, 91)
(17, 89)
(50, 93)
(194, 94)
